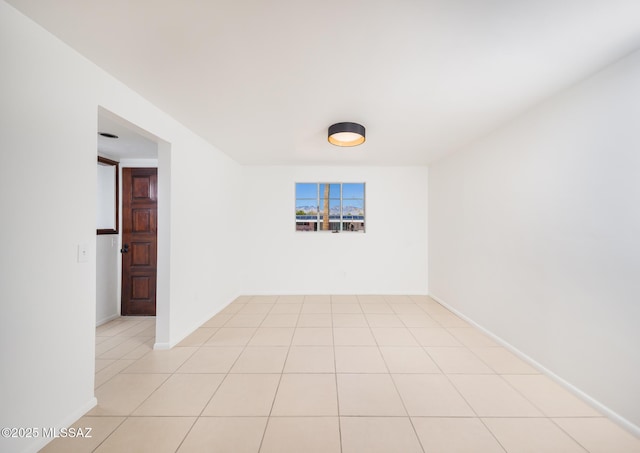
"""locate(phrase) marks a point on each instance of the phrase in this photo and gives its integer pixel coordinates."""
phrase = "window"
(330, 207)
(107, 202)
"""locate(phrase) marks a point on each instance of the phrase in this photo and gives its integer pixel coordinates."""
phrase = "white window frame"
(341, 221)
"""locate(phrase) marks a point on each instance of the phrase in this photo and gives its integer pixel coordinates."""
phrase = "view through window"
(330, 207)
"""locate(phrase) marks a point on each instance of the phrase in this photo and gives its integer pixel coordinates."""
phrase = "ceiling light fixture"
(346, 134)
(107, 135)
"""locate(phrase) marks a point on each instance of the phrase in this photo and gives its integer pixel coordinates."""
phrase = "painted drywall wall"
(107, 249)
(106, 196)
(533, 234)
(50, 98)
(107, 276)
(391, 257)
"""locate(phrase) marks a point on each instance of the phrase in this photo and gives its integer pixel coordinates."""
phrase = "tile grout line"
(395, 386)
(235, 361)
(544, 414)
(197, 418)
(335, 370)
(128, 416)
(123, 357)
(569, 434)
(275, 395)
(124, 419)
(226, 375)
(477, 416)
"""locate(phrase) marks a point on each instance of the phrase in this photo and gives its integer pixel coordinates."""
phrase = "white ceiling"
(130, 143)
(263, 80)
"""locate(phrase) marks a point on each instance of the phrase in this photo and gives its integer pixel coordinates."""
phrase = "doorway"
(139, 148)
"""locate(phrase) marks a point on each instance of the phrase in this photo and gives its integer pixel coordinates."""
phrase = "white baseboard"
(161, 346)
(614, 416)
(193, 328)
(334, 293)
(107, 319)
(67, 421)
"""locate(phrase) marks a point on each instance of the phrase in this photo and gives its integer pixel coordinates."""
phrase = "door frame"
(135, 163)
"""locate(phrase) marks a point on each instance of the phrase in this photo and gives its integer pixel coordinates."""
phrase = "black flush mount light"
(346, 134)
(107, 135)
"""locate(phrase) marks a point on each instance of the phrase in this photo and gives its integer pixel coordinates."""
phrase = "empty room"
(333, 227)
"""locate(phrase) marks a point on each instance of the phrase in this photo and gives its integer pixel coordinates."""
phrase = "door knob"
(125, 249)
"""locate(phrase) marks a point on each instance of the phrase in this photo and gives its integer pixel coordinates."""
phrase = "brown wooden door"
(139, 240)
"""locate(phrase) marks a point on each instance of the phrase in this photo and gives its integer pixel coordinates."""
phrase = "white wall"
(390, 258)
(107, 276)
(50, 97)
(534, 235)
(107, 249)
(106, 196)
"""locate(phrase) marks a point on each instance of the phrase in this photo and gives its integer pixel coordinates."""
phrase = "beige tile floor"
(330, 374)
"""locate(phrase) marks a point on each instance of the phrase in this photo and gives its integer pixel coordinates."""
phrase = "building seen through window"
(330, 207)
